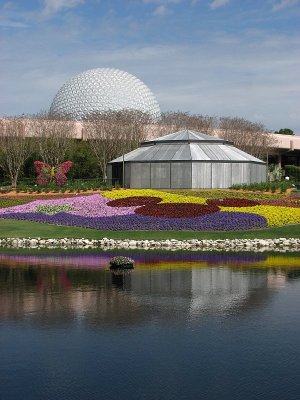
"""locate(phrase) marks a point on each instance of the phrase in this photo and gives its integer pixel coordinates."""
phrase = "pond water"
(182, 325)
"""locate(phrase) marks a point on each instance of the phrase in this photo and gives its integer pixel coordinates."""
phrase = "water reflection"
(95, 259)
(64, 289)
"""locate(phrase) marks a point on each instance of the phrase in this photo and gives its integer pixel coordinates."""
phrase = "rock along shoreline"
(279, 244)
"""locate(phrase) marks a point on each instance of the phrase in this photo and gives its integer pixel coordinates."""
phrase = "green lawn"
(24, 229)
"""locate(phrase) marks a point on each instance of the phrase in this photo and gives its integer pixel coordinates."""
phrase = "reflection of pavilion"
(199, 290)
(223, 289)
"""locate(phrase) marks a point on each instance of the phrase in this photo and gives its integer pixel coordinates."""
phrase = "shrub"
(293, 172)
(5, 189)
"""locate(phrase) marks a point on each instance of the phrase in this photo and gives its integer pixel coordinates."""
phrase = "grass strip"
(25, 229)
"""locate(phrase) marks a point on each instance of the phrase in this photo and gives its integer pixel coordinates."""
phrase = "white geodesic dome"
(101, 90)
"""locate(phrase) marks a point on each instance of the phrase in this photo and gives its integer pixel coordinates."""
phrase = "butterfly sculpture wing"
(44, 172)
(59, 172)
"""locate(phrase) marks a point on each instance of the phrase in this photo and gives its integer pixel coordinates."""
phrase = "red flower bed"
(134, 201)
(232, 202)
(281, 203)
(176, 210)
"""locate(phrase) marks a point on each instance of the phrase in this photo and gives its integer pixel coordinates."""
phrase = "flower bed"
(89, 206)
(233, 202)
(220, 221)
(165, 196)
(134, 201)
(223, 193)
(176, 210)
(288, 202)
(122, 210)
(275, 216)
(121, 262)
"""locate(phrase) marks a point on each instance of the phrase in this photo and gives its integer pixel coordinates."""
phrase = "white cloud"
(162, 6)
(218, 3)
(284, 4)
(53, 6)
(6, 23)
(162, 1)
(12, 17)
(252, 75)
(161, 11)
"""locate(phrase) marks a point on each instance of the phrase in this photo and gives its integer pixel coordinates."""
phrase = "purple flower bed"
(219, 221)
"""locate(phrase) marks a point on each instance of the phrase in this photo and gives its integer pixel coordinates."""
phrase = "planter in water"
(121, 262)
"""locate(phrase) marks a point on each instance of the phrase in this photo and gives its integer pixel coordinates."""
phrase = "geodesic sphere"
(101, 90)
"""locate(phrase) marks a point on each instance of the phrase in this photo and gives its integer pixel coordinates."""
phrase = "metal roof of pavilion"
(185, 136)
(187, 146)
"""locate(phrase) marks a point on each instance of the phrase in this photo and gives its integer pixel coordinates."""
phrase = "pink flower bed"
(88, 206)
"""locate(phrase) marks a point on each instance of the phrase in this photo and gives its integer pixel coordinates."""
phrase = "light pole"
(123, 178)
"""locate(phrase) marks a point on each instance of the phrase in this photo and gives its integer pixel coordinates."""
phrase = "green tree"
(285, 131)
(85, 163)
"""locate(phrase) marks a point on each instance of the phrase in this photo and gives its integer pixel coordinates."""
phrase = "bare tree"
(15, 146)
(174, 121)
(112, 134)
(54, 135)
(251, 137)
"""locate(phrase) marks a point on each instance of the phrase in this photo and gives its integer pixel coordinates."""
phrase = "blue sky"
(215, 57)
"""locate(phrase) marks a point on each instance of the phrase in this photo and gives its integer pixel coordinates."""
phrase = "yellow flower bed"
(276, 216)
(165, 196)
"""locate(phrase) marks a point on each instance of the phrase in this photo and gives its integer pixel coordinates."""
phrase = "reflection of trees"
(52, 280)
(293, 274)
(59, 297)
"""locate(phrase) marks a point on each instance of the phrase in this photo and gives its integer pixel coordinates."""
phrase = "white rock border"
(280, 244)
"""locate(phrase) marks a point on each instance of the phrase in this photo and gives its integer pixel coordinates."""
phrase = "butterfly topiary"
(47, 173)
